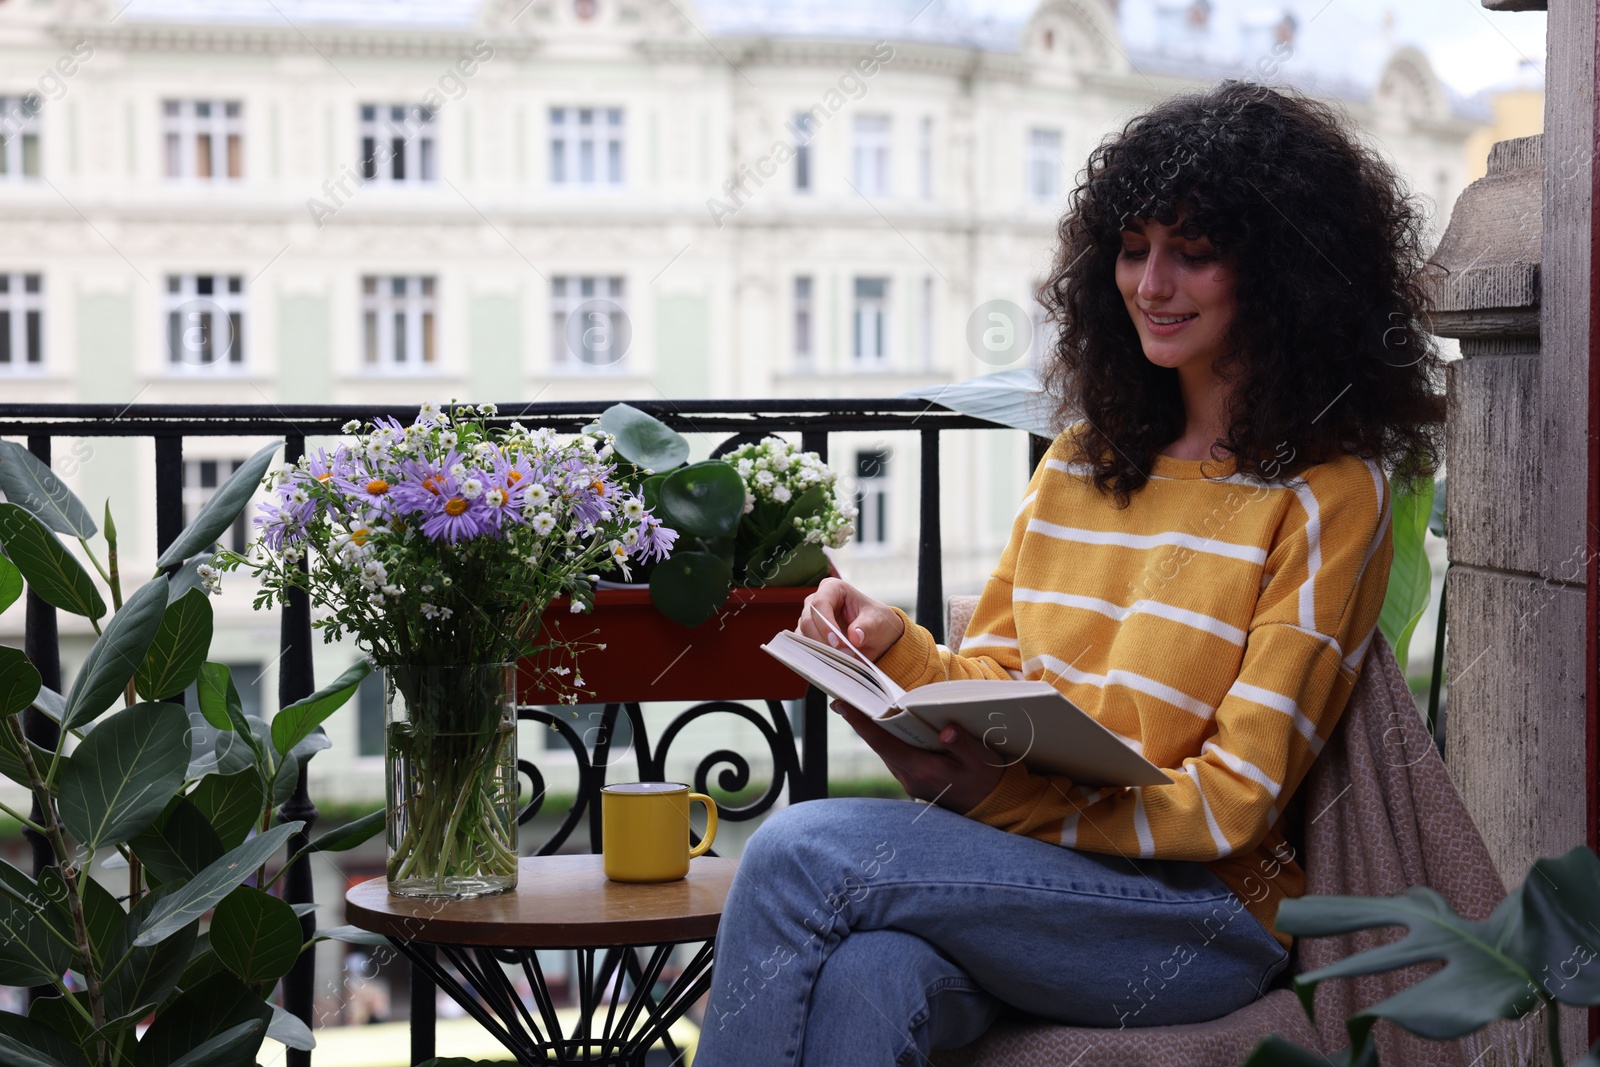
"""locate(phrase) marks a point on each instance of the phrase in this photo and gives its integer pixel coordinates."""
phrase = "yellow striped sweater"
(1217, 625)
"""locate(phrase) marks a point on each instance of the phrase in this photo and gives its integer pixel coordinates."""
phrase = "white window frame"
(588, 147)
(229, 297)
(400, 324)
(873, 532)
(19, 137)
(873, 135)
(567, 293)
(869, 323)
(182, 126)
(20, 308)
(1044, 165)
(409, 128)
(196, 493)
(805, 321)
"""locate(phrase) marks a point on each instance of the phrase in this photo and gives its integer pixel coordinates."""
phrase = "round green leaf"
(644, 439)
(231, 804)
(703, 499)
(11, 584)
(255, 935)
(180, 645)
(19, 681)
(51, 571)
(689, 587)
(179, 845)
(123, 774)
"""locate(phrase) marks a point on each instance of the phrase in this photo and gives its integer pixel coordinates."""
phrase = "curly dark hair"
(1328, 347)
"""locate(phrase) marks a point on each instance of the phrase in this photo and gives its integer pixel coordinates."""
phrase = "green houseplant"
(192, 816)
(1538, 948)
(757, 517)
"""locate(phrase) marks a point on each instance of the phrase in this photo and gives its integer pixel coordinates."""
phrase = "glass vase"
(451, 754)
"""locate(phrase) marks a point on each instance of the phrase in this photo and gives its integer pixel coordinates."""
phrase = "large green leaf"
(30, 953)
(52, 571)
(199, 1015)
(236, 1042)
(103, 917)
(1275, 1051)
(219, 698)
(1410, 573)
(285, 778)
(689, 587)
(351, 834)
(39, 1040)
(1557, 938)
(19, 681)
(220, 511)
(11, 764)
(703, 499)
(27, 481)
(291, 725)
(123, 774)
(116, 654)
(255, 935)
(11, 584)
(179, 845)
(643, 439)
(231, 804)
(291, 1031)
(180, 646)
(14, 1053)
(1481, 980)
(803, 564)
(145, 974)
(199, 895)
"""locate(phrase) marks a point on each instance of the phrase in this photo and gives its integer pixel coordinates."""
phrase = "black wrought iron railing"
(799, 757)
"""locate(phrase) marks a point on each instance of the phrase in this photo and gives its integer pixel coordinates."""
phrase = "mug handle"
(711, 823)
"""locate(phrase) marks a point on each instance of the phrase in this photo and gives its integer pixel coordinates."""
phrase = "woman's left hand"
(957, 778)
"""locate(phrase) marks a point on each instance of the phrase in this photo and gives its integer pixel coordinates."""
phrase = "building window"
(804, 126)
(872, 497)
(1044, 165)
(397, 144)
(589, 326)
(397, 323)
(925, 160)
(803, 319)
(19, 136)
(205, 321)
(370, 715)
(586, 146)
(21, 321)
(205, 139)
(927, 323)
(871, 322)
(201, 478)
(872, 154)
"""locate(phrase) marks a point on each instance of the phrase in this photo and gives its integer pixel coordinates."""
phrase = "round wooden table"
(561, 902)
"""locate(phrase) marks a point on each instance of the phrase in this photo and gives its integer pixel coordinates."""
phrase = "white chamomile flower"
(630, 538)
(537, 496)
(298, 495)
(428, 411)
(633, 509)
(448, 439)
(495, 497)
(458, 470)
(352, 426)
(488, 409)
(543, 523)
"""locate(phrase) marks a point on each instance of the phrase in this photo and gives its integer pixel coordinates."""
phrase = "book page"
(834, 675)
(887, 684)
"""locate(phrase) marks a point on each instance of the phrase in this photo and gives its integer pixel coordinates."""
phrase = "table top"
(559, 902)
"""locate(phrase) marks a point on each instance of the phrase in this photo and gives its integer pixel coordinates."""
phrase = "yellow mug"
(644, 829)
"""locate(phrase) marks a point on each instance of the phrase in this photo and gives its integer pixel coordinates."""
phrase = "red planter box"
(650, 657)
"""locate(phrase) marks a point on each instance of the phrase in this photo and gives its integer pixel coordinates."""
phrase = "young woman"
(1199, 563)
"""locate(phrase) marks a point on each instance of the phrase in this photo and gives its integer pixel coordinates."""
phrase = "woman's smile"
(1179, 293)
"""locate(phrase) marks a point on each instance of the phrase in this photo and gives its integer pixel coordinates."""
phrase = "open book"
(1030, 721)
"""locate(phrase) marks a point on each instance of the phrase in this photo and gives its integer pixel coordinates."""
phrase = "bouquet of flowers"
(437, 547)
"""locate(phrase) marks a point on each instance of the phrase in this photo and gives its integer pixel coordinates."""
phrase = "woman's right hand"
(871, 625)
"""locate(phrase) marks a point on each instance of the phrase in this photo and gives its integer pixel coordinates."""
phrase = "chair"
(1383, 816)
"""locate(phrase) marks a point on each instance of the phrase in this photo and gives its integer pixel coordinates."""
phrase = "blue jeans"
(862, 931)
